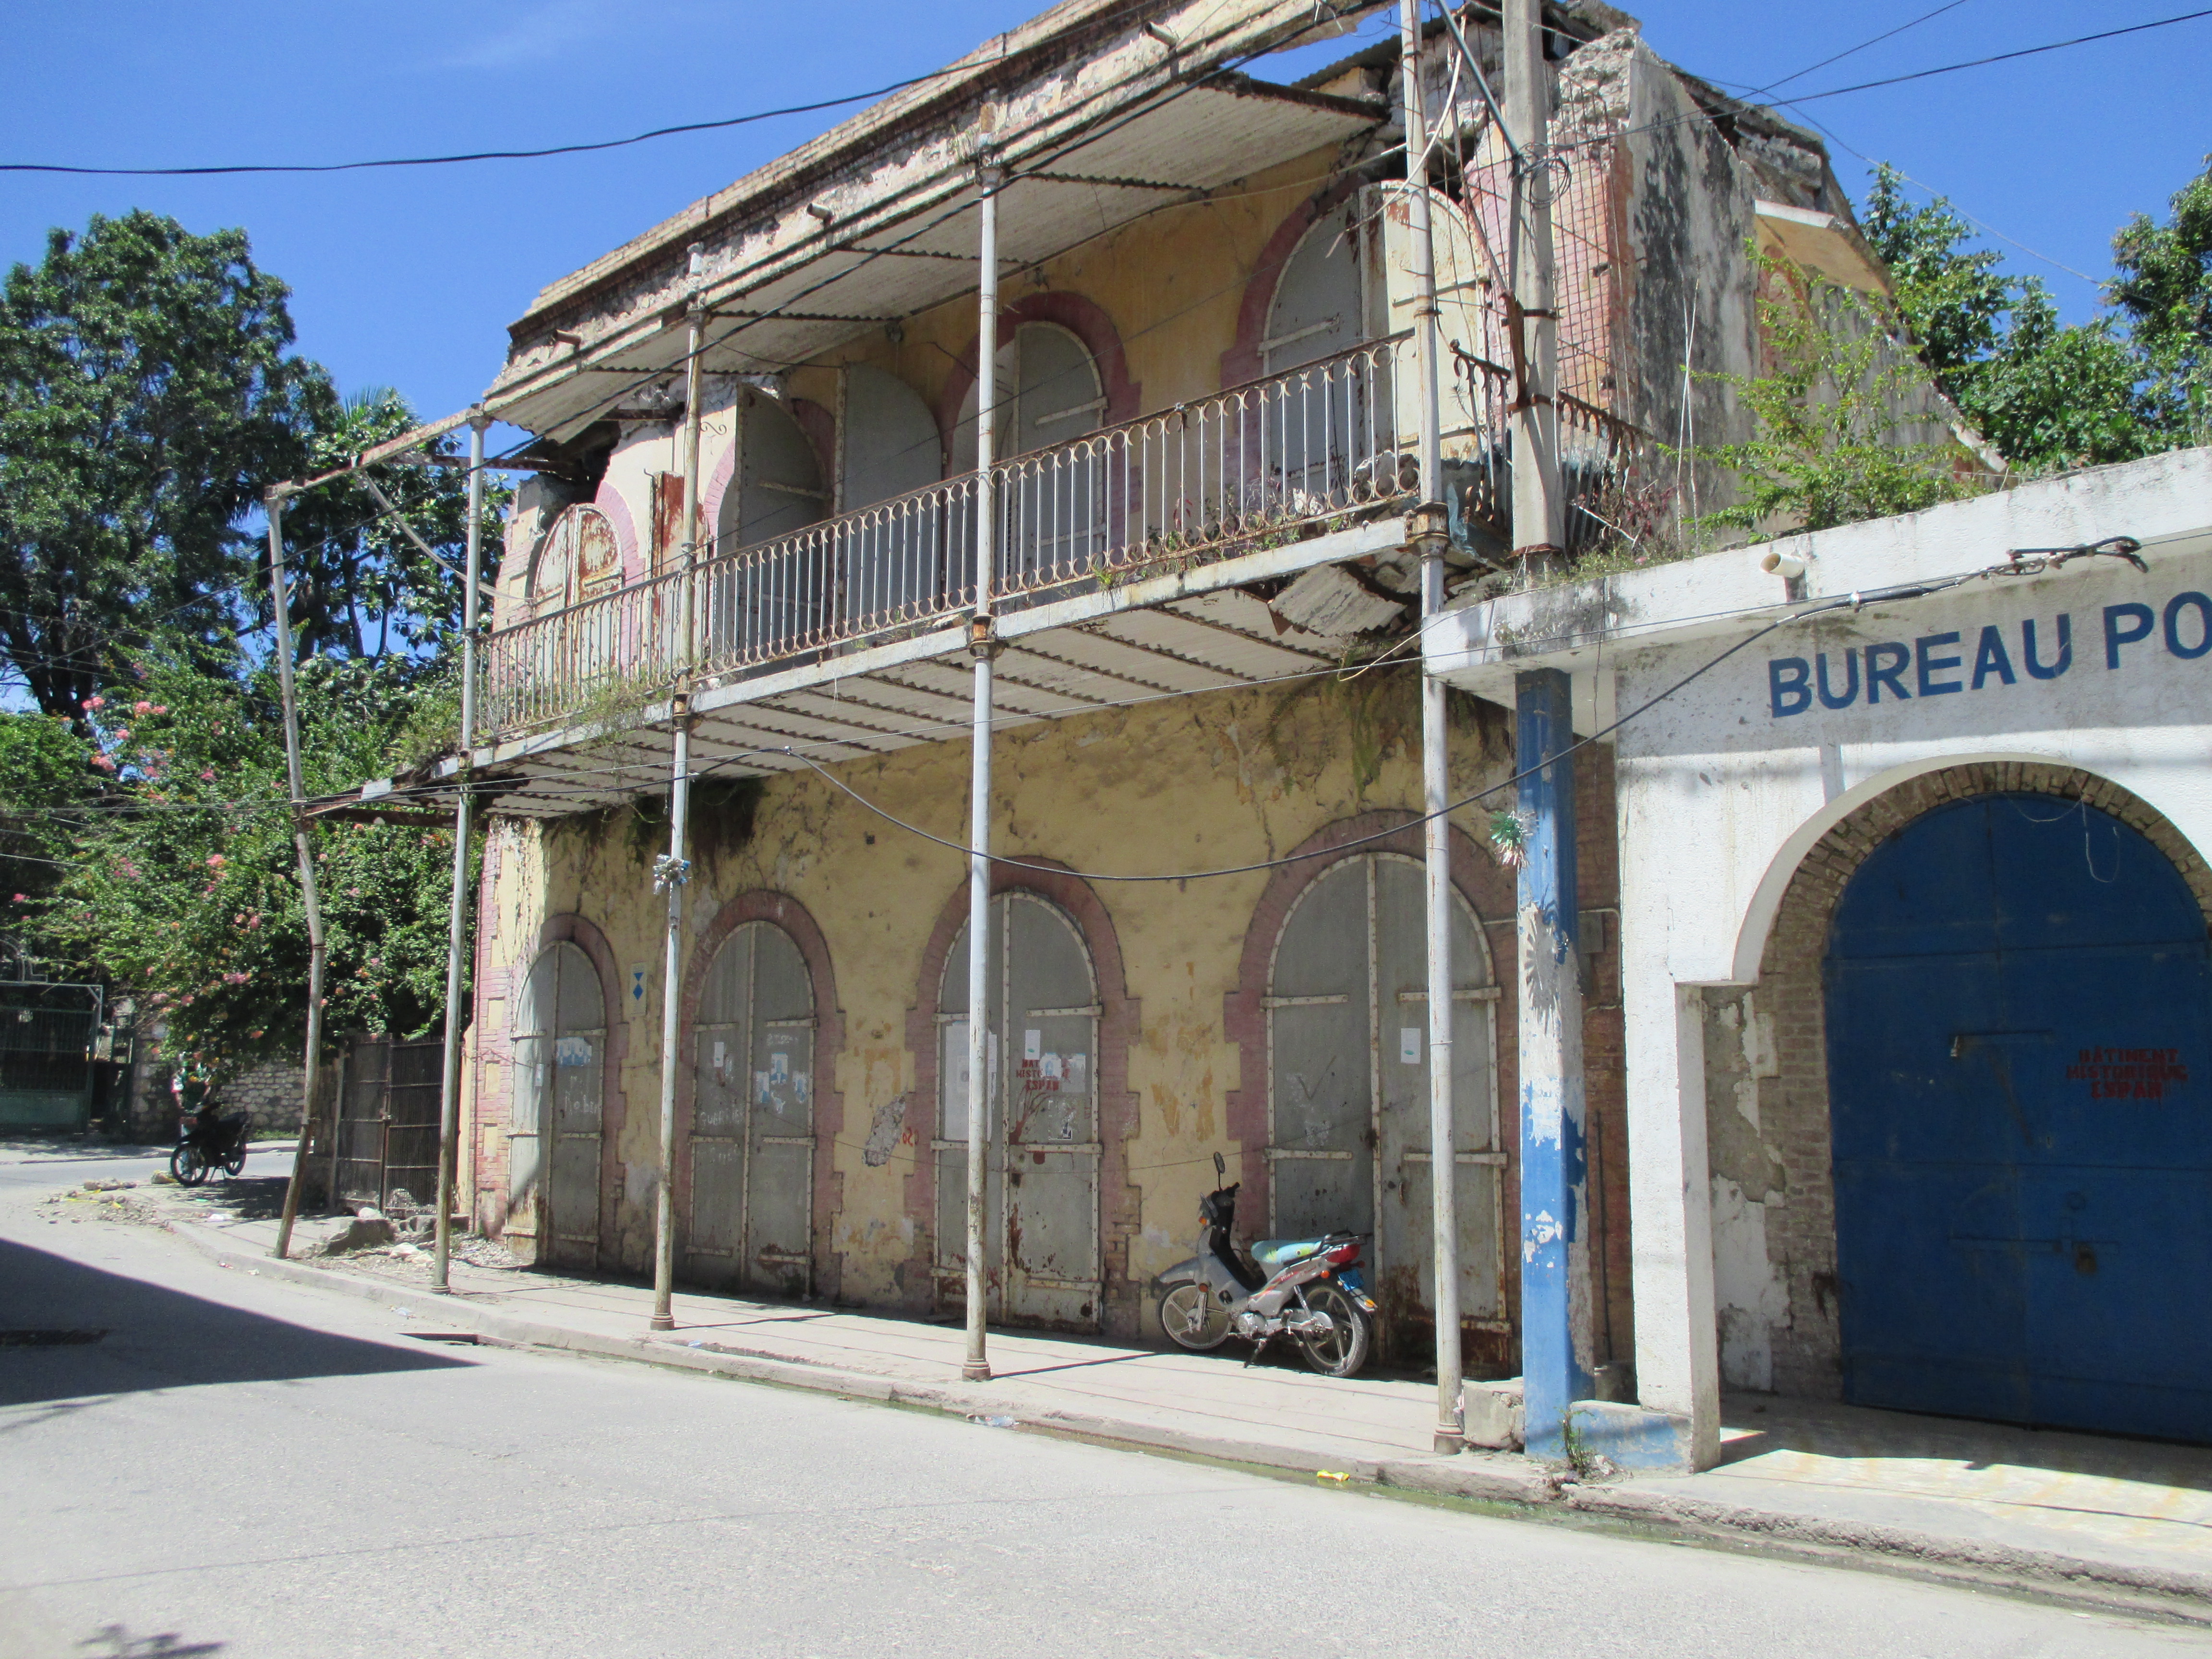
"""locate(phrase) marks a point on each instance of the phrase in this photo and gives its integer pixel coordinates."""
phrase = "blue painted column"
(1556, 1326)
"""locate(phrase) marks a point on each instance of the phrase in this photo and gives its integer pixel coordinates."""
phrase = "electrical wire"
(1072, 144)
(1853, 52)
(2005, 56)
(722, 126)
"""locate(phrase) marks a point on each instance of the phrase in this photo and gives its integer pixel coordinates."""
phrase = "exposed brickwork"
(1597, 887)
(1119, 1014)
(1793, 1104)
(783, 911)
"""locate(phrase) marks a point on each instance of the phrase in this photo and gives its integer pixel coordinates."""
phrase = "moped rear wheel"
(1344, 1350)
(1192, 1319)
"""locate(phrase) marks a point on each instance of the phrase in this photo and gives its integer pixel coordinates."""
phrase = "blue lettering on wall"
(2065, 647)
(2115, 615)
(1931, 664)
(2203, 606)
(1851, 691)
(1989, 658)
(2183, 625)
(1884, 664)
(1789, 688)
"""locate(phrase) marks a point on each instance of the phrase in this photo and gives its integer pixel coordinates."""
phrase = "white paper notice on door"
(956, 1077)
(1409, 1045)
(1032, 1045)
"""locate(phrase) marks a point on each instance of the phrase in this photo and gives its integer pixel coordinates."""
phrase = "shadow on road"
(156, 1338)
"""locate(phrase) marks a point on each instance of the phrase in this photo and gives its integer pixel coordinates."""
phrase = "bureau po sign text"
(1936, 665)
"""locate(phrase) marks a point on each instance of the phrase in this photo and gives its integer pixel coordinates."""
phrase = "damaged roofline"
(1026, 54)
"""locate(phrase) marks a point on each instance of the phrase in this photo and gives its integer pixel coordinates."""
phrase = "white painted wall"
(1720, 795)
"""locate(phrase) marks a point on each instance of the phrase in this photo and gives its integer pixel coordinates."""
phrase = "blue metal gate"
(2019, 1028)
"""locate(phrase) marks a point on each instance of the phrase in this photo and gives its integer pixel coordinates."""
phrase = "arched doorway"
(1042, 1263)
(1348, 1086)
(762, 607)
(1053, 516)
(751, 1144)
(2019, 1013)
(560, 1101)
(579, 559)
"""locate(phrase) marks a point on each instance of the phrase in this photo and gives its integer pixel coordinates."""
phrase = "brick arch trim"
(570, 928)
(1816, 885)
(1489, 892)
(1118, 1024)
(1083, 317)
(1789, 988)
(798, 924)
(1244, 361)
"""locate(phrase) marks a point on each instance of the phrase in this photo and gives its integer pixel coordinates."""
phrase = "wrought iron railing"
(1328, 440)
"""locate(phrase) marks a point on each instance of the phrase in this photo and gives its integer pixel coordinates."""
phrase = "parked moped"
(1307, 1289)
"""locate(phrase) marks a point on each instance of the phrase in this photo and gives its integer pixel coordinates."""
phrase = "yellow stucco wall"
(1187, 783)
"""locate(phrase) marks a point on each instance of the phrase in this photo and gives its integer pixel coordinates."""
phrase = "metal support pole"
(674, 871)
(280, 601)
(1539, 513)
(1556, 1326)
(449, 1103)
(1421, 247)
(983, 644)
(1428, 527)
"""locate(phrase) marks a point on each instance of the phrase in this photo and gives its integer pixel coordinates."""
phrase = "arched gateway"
(2019, 1013)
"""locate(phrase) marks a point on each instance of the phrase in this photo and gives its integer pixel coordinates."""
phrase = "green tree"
(360, 587)
(2162, 282)
(47, 782)
(146, 397)
(2051, 395)
(184, 885)
(1826, 447)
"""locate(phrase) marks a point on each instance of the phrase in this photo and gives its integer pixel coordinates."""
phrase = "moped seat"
(1273, 1254)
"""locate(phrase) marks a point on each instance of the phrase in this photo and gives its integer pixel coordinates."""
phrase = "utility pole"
(1428, 527)
(1539, 517)
(983, 646)
(673, 872)
(280, 595)
(1557, 1331)
(449, 1103)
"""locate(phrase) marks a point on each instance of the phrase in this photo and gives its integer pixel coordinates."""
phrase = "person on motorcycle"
(205, 1138)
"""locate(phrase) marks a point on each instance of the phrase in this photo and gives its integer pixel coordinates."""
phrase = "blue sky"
(408, 277)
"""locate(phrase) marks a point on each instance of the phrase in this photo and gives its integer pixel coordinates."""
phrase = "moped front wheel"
(1192, 1319)
(187, 1165)
(1344, 1350)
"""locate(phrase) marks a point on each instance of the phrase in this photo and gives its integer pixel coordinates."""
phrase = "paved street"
(247, 1468)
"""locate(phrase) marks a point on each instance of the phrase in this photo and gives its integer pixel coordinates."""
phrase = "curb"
(2109, 1586)
(1514, 1485)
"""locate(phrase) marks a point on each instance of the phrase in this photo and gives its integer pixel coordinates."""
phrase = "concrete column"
(1557, 1329)
(1669, 1172)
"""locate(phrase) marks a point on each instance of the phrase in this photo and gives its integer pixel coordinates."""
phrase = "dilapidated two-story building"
(763, 524)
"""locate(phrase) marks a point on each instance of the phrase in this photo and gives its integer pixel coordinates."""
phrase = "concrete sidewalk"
(2108, 1523)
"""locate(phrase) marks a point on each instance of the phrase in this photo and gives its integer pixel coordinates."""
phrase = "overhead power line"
(2003, 57)
(722, 126)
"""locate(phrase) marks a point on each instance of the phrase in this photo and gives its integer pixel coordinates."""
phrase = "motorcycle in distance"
(207, 1141)
(1307, 1289)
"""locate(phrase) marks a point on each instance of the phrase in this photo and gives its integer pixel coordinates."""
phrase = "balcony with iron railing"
(1296, 455)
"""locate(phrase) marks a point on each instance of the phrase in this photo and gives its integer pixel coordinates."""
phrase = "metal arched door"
(2020, 1021)
(560, 1078)
(752, 1142)
(1042, 1262)
(1348, 1087)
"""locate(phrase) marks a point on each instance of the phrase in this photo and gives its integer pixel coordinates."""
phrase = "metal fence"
(1204, 478)
(389, 1097)
(1330, 439)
